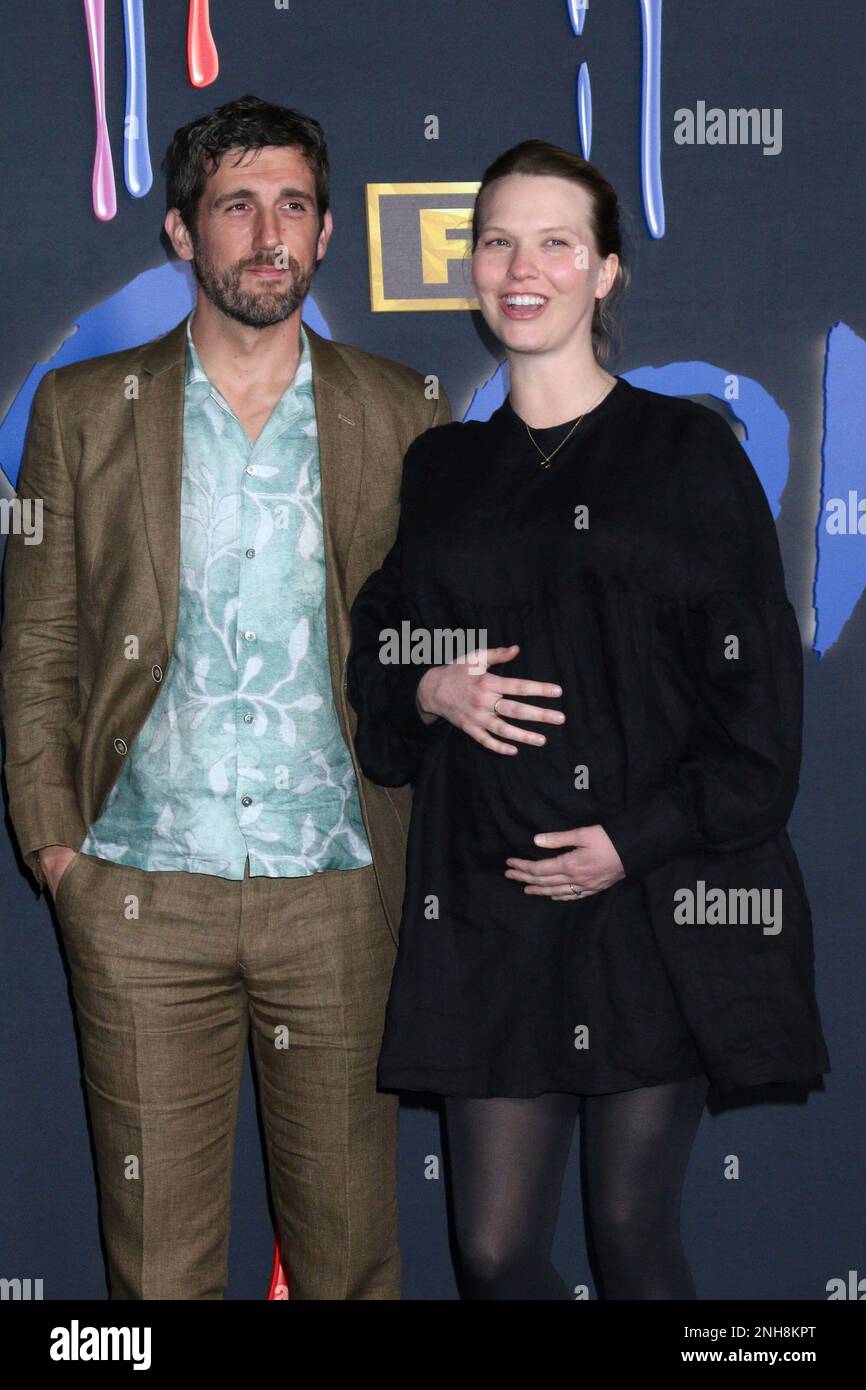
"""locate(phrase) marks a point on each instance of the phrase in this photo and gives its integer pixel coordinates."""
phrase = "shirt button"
(156, 672)
(250, 553)
(246, 801)
(248, 719)
(120, 746)
(250, 468)
(249, 636)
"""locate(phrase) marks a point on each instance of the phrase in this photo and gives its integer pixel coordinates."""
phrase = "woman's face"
(535, 268)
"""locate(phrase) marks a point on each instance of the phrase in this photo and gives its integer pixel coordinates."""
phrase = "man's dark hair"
(197, 149)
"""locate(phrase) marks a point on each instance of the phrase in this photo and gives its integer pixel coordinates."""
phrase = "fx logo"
(419, 235)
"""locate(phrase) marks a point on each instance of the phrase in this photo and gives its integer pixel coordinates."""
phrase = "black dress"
(641, 572)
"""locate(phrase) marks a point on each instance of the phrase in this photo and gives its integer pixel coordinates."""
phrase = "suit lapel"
(158, 417)
(158, 425)
(340, 425)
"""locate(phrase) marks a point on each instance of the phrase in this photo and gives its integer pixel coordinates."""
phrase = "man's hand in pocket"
(54, 860)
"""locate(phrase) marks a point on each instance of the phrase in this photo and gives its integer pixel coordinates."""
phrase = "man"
(180, 756)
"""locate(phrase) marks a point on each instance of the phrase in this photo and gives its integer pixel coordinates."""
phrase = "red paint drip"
(201, 56)
(279, 1289)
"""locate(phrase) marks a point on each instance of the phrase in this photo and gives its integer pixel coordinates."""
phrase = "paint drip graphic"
(650, 121)
(202, 68)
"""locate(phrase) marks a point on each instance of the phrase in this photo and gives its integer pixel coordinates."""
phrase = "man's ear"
(176, 231)
(324, 235)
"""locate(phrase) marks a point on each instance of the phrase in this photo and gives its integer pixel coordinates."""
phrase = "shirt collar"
(198, 384)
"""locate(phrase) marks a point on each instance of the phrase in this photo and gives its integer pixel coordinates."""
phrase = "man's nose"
(268, 234)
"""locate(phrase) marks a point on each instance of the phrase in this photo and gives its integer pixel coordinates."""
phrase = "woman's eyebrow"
(494, 227)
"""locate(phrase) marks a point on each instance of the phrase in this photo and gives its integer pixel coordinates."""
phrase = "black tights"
(507, 1158)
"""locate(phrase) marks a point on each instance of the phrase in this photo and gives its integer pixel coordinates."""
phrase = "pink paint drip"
(103, 189)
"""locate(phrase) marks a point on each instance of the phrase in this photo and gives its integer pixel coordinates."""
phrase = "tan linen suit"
(104, 455)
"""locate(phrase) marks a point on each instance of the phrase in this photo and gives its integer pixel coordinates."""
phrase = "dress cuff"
(651, 830)
(405, 711)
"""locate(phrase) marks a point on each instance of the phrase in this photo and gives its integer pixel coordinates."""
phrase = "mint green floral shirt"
(241, 754)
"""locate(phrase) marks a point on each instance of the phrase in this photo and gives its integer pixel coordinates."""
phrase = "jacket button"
(120, 746)
(246, 801)
(156, 672)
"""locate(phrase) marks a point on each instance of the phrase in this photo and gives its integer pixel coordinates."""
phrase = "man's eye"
(299, 207)
(557, 241)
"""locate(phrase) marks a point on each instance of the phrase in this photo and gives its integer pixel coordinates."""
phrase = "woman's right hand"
(465, 691)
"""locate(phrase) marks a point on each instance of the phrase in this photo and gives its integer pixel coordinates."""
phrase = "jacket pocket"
(64, 877)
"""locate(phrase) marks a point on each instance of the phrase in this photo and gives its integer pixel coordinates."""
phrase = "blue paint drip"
(137, 172)
(577, 14)
(584, 110)
(840, 571)
(650, 140)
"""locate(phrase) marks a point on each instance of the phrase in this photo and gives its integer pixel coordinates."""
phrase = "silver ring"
(578, 892)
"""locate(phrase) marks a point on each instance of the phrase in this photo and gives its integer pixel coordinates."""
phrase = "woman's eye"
(503, 241)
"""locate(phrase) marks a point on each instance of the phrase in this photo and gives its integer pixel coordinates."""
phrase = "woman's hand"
(464, 692)
(590, 862)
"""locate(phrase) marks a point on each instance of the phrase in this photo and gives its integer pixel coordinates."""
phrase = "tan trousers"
(169, 970)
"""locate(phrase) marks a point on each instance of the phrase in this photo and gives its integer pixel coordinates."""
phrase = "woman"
(602, 901)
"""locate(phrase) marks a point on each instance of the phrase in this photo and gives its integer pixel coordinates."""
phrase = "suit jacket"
(104, 453)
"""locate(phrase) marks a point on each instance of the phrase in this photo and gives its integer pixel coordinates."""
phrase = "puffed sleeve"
(737, 780)
(391, 737)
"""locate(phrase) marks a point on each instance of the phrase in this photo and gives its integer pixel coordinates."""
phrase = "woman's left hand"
(590, 862)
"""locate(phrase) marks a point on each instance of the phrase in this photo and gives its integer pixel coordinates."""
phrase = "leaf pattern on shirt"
(246, 707)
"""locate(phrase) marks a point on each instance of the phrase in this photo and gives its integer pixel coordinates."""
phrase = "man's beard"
(269, 306)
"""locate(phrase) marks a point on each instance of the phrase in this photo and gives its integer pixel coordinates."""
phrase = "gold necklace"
(548, 457)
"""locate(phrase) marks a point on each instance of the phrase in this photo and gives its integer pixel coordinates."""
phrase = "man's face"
(257, 240)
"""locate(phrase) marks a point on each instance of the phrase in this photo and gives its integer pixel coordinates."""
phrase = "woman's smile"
(523, 306)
